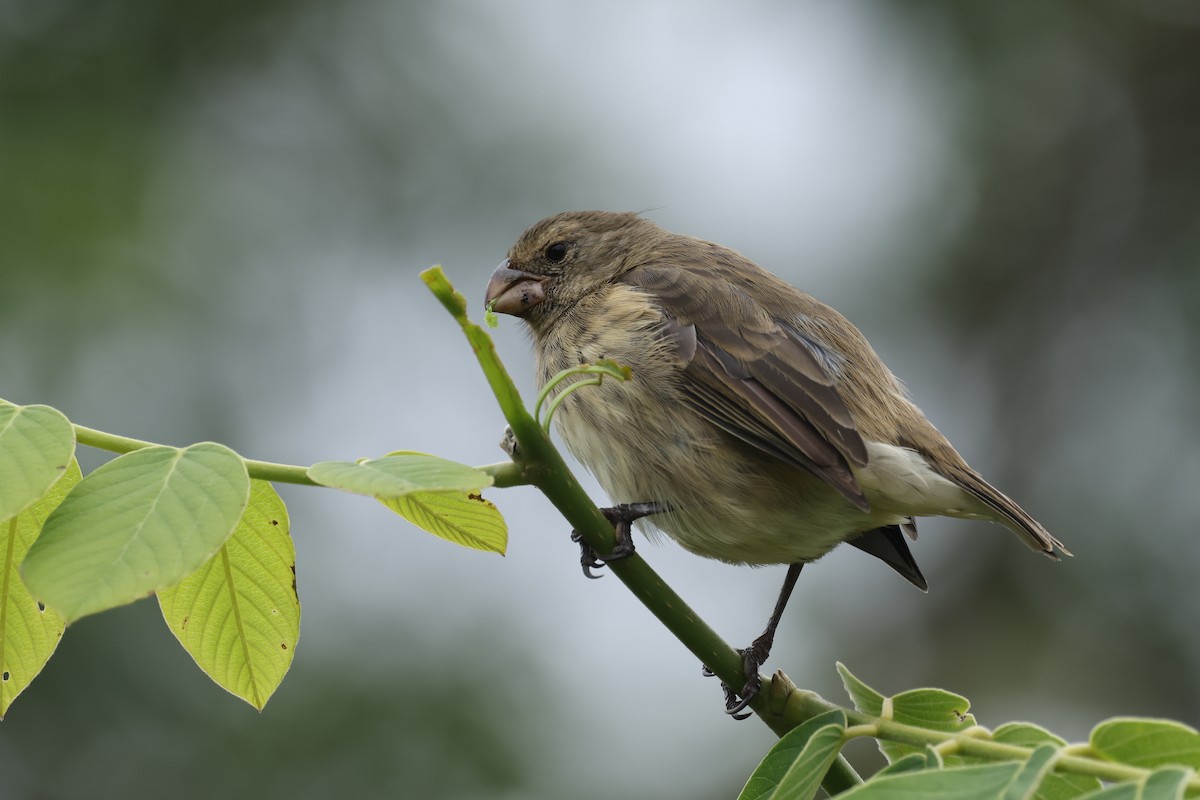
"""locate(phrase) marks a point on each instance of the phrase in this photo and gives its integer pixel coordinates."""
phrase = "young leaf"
(1168, 783)
(1147, 742)
(865, 699)
(36, 444)
(1121, 791)
(238, 615)
(975, 782)
(794, 767)
(398, 474)
(909, 763)
(1056, 785)
(1035, 769)
(464, 518)
(139, 523)
(29, 631)
(934, 709)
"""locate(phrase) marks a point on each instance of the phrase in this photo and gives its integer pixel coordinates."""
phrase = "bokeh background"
(212, 217)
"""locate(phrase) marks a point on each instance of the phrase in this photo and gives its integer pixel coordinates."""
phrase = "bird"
(759, 426)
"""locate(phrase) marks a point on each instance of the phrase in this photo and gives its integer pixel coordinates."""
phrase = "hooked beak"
(511, 291)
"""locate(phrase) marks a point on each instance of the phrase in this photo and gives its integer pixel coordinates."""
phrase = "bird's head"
(564, 258)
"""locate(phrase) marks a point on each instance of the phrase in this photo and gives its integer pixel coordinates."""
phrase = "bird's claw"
(588, 559)
(737, 703)
(621, 517)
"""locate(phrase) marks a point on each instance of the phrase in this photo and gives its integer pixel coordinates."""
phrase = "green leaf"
(137, 524)
(865, 699)
(36, 444)
(399, 474)
(1056, 785)
(239, 614)
(933, 709)
(974, 782)
(464, 518)
(1035, 769)
(794, 767)
(909, 763)
(29, 631)
(1025, 734)
(1121, 791)
(1168, 783)
(1147, 742)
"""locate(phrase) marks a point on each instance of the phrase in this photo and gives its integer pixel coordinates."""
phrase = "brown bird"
(760, 427)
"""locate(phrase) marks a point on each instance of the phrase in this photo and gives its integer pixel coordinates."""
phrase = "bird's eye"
(556, 252)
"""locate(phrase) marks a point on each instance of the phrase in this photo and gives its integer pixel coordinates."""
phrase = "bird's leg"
(621, 517)
(754, 655)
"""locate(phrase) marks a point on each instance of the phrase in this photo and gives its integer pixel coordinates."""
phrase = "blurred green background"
(212, 216)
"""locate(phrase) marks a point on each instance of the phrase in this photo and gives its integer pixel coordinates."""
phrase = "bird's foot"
(588, 558)
(753, 657)
(621, 517)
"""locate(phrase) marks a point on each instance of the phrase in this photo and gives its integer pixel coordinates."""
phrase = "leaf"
(1034, 770)
(464, 518)
(1121, 791)
(137, 524)
(1167, 783)
(794, 767)
(909, 763)
(1143, 742)
(36, 444)
(29, 631)
(865, 699)
(974, 782)
(933, 709)
(399, 474)
(238, 615)
(1056, 785)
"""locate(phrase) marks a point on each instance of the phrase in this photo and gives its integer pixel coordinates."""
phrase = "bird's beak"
(511, 291)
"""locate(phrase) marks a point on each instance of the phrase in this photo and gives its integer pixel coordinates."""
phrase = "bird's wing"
(757, 378)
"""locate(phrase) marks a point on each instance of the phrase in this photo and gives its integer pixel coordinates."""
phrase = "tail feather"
(1008, 513)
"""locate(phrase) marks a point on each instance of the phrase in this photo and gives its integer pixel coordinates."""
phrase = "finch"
(759, 426)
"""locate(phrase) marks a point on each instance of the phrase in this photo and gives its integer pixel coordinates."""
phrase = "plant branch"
(504, 474)
(546, 469)
(800, 705)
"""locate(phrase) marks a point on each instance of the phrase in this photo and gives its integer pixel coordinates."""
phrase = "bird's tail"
(1009, 514)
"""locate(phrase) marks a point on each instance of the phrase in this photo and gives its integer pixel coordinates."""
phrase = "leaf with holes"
(239, 614)
(36, 444)
(29, 631)
(137, 524)
(464, 518)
